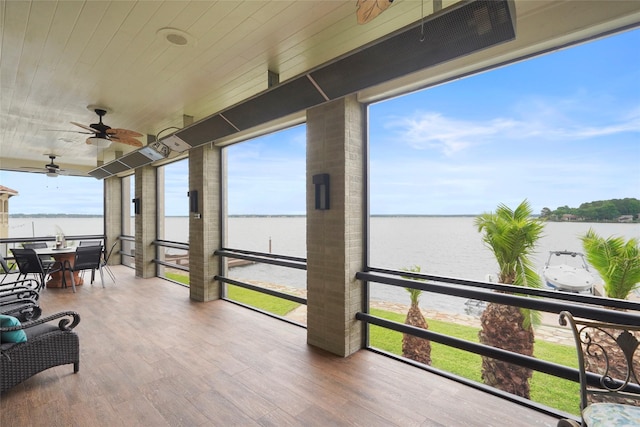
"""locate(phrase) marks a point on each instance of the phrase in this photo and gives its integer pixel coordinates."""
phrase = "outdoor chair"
(35, 245)
(8, 270)
(609, 364)
(105, 261)
(36, 345)
(29, 262)
(47, 261)
(105, 257)
(86, 258)
(94, 243)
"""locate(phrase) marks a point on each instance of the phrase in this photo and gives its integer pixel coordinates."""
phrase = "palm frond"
(414, 294)
(617, 262)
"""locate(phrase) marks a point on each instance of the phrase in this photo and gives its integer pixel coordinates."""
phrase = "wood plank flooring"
(152, 357)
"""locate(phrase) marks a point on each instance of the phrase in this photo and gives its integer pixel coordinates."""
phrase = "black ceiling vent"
(115, 167)
(296, 95)
(206, 130)
(99, 173)
(448, 35)
(134, 160)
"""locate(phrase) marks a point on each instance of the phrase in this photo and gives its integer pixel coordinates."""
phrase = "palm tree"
(511, 235)
(617, 262)
(416, 348)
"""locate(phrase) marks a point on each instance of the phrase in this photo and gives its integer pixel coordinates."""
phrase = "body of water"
(447, 246)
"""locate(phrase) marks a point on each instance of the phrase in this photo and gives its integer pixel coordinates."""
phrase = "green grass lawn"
(255, 299)
(546, 389)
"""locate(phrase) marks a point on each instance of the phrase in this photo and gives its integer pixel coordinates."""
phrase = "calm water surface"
(448, 246)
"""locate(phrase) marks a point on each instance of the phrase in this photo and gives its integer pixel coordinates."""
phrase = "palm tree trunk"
(415, 348)
(502, 328)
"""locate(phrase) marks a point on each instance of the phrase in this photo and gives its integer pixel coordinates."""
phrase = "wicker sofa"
(47, 345)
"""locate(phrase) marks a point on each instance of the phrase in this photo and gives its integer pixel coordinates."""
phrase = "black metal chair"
(8, 270)
(105, 261)
(35, 245)
(105, 257)
(29, 262)
(47, 260)
(86, 258)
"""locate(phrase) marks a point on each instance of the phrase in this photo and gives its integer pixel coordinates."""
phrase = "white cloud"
(546, 122)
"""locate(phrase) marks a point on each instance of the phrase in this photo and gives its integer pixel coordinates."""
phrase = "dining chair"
(93, 243)
(35, 245)
(105, 261)
(47, 260)
(86, 258)
(8, 270)
(29, 262)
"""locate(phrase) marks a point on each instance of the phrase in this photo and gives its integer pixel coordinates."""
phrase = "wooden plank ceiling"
(58, 57)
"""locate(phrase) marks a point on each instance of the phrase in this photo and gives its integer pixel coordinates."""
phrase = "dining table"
(61, 255)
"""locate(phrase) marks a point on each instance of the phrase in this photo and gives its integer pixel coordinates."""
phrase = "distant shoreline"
(20, 215)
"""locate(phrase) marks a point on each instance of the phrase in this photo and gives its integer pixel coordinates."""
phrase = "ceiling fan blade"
(66, 130)
(126, 140)
(27, 168)
(367, 10)
(90, 129)
(123, 133)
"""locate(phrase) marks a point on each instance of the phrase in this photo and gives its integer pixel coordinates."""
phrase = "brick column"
(335, 140)
(146, 224)
(205, 234)
(113, 217)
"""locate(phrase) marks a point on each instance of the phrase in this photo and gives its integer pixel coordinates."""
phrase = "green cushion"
(13, 336)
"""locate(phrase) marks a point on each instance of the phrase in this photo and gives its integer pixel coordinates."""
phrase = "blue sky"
(561, 129)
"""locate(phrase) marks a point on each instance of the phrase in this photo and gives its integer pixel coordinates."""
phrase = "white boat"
(569, 272)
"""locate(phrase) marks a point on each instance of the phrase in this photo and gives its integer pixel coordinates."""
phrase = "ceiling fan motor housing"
(100, 127)
(52, 166)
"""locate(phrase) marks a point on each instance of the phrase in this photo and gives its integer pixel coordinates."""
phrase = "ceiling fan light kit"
(104, 135)
(98, 142)
(50, 169)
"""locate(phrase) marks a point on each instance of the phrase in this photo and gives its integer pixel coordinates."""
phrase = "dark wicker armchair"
(47, 346)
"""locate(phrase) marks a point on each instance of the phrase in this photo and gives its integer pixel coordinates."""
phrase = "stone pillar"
(146, 224)
(335, 146)
(113, 216)
(205, 232)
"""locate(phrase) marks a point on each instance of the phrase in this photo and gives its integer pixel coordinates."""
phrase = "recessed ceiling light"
(176, 37)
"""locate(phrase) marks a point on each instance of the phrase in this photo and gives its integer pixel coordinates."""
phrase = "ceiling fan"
(367, 10)
(104, 135)
(51, 169)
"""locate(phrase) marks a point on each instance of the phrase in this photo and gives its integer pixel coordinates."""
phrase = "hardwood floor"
(152, 357)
